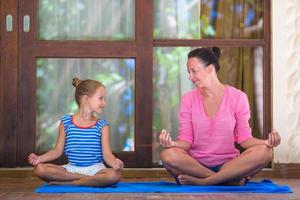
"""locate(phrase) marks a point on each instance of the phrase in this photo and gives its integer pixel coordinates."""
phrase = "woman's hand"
(165, 139)
(118, 165)
(273, 139)
(34, 159)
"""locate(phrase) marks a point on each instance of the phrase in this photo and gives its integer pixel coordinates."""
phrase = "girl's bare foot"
(61, 183)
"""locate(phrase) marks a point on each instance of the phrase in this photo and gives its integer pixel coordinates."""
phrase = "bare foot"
(237, 182)
(248, 178)
(190, 180)
(61, 183)
(177, 181)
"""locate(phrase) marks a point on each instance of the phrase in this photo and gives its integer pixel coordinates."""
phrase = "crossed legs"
(187, 170)
(55, 174)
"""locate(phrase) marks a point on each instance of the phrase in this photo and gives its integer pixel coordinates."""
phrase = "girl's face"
(198, 72)
(97, 101)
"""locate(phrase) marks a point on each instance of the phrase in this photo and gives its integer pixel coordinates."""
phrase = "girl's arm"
(272, 141)
(109, 158)
(54, 153)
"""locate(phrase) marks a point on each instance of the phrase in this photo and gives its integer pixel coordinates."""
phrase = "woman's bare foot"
(237, 182)
(177, 181)
(190, 180)
(248, 178)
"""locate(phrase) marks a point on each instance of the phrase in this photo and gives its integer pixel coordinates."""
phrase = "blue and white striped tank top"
(83, 145)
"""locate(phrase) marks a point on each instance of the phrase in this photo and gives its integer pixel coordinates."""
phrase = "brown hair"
(207, 56)
(85, 87)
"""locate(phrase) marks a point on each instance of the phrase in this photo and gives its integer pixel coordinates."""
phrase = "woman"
(212, 118)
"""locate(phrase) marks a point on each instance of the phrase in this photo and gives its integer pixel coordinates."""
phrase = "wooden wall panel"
(8, 86)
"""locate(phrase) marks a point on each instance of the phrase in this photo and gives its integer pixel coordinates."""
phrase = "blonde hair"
(85, 87)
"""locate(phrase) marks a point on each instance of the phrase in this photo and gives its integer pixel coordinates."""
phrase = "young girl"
(85, 141)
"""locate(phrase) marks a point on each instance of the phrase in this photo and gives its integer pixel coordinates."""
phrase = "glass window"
(86, 20)
(170, 80)
(196, 19)
(240, 67)
(55, 97)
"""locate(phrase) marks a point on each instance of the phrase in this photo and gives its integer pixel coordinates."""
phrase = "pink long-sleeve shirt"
(212, 139)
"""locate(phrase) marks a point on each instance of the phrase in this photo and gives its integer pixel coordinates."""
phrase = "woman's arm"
(185, 131)
(54, 153)
(109, 158)
(166, 141)
(272, 141)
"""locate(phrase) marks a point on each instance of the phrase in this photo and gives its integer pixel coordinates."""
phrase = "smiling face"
(199, 74)
(96, 102)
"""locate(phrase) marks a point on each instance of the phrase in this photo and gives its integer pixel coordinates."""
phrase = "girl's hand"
(165, 139)
(273, 139)
(34, 159)
(118, 165)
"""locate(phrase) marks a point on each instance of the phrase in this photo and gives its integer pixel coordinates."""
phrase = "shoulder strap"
(66, 120)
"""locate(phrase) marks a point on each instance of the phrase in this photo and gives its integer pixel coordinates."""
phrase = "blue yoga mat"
(265, 186)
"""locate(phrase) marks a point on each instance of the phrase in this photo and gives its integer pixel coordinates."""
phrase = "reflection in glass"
(240, 67)
(55, 97)
(196, 19)
(86, 20)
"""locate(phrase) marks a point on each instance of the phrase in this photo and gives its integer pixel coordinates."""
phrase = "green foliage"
(168, 64)
(206, 28)
(85, 20)
(109, 78)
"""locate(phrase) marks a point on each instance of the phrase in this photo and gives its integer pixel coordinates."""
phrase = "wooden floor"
(23, 188)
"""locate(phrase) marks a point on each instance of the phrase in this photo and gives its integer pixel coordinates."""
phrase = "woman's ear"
(210, 68)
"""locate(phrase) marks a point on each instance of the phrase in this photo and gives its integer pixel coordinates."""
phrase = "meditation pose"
(85, 140)
(212, 118)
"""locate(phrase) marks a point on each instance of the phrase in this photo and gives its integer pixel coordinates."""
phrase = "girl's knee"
(116, 176)
(40, 170)
(113, 176)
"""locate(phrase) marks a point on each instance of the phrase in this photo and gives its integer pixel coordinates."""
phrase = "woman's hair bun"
(216, 51)
(76, 81)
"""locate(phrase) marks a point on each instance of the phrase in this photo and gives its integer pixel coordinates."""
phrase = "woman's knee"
(264, 154)
(170, 156)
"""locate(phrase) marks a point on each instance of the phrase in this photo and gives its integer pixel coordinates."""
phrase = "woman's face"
(198, 72)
